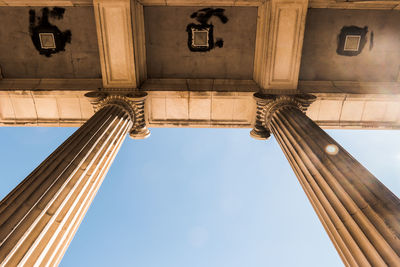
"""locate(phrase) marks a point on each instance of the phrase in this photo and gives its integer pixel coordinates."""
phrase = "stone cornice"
(267, 105)
(132, 103)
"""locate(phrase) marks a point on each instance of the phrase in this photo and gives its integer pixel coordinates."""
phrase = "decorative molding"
(267, 105)
(349, 87)
(279, 42)
(46, 2)
(133, 104)
(116, 46)
(222, 85)
(377, 5)
(261, 42)
(201, 2)
(139, 40)
(50, 84)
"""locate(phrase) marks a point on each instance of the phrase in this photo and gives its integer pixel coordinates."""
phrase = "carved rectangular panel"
(114, 33)
(139, 41)
(279, 43)
(284, 43)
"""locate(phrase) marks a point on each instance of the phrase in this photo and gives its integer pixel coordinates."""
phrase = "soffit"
(20, 59)
(379, 61)
(168, 55)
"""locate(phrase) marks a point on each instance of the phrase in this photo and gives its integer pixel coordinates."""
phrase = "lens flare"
(331, 149)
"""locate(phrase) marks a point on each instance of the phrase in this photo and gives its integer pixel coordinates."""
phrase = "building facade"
(118, 67)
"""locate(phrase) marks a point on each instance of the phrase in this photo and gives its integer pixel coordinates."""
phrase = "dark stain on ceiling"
(205, 28)
(359, 37)
(39, 26)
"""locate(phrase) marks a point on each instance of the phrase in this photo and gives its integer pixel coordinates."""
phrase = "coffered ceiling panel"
(168, 54)
(379, 59)
(19, 57)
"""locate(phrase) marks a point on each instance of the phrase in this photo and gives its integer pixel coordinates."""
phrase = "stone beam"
(115, 28)
(206, 109)
(50, 84)
(139, 41)
(279, 41)
(350, 87)
(221, 85)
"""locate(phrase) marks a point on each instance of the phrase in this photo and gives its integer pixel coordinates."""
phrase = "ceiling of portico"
(168, 55)
(120, 46)
(379, 60)
(20, 59)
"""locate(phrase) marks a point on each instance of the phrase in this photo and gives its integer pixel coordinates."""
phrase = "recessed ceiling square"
(200, 37)
(352, 43)
(47, 40)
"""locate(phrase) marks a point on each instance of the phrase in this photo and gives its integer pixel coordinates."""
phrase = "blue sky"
(199, 198)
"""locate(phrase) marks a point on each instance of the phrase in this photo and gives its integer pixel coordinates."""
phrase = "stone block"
(177, 108)
(352, 110)
(69, 108)
(46, 108)
(330, 110)
(200, 108)
(374, 111)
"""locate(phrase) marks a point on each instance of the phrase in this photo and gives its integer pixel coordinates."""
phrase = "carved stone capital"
(132, 102)
(267, 105)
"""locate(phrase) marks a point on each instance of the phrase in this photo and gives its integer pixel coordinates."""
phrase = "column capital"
(131, 102)
(268, 104)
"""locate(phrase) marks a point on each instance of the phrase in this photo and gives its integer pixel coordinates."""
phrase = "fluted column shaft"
(39, 218)
(360, 215)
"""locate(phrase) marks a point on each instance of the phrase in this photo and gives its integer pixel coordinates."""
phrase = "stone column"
(39, 218)
(360, 215)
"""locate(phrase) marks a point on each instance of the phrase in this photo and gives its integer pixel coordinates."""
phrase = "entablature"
(202, 109)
